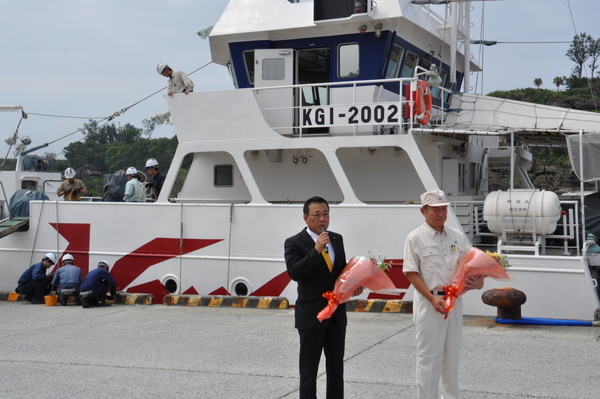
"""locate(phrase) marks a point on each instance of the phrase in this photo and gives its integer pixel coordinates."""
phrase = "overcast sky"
(91, 58)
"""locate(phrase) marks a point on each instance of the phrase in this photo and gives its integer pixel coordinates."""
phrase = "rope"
(66, 116)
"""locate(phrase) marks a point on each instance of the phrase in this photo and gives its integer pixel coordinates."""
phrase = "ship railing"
(366, 107)
(47, 181)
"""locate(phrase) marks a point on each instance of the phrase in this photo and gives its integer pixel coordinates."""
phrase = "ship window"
(28, 185)
(394, 62)
(249, 60)
(313, 65)
(223, 176)
(410, 63)
(425, 64)
(273, 69)
(348, 60)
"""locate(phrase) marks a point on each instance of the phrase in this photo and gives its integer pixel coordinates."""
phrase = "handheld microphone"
(324, 230)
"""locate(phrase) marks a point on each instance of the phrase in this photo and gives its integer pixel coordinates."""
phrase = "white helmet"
(161, 67)
(69, 173)
(51, 257)
(131, 171)
(151, 163)
(103, 263)
(68, 258)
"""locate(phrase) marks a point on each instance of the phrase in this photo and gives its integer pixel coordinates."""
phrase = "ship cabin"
(324, 98)
(335, 52)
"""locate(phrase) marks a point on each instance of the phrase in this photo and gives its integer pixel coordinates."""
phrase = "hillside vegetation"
(582, 96)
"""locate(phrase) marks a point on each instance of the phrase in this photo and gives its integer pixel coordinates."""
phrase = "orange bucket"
(13, 296)
(51, 300)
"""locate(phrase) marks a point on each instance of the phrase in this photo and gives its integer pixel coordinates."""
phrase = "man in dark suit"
(315, 258)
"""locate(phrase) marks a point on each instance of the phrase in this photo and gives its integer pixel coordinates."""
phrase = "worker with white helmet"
(71, 188)
(179, 82)
(34, 283)
(67, 279)
(134, 190)
(95, 286)
(157, 180)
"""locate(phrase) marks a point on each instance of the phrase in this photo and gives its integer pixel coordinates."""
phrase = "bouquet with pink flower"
(359, 272)
(476, 263)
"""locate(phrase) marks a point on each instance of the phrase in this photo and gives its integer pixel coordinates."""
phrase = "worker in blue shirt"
(34, 283)
(67, 279)
(95, 286)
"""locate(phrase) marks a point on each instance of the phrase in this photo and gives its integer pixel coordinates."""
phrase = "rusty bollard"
(507, 300)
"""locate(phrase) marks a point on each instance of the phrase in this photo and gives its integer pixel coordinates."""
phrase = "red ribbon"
(451, 291)
(331, 297)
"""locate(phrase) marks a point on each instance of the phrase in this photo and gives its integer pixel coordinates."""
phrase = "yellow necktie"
(327, 260)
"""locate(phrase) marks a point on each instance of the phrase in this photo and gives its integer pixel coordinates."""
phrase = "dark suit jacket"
(306, 266)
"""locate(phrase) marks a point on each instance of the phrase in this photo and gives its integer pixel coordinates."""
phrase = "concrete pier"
(151, 351)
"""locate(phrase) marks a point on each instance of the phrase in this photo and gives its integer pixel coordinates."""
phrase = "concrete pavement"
(151, 351)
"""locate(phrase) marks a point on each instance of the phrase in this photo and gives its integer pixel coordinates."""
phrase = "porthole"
(240, 287)
(171, 284)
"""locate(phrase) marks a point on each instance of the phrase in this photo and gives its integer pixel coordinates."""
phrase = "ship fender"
(423, 103)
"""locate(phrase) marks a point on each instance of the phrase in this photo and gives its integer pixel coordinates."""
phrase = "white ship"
(359, 102)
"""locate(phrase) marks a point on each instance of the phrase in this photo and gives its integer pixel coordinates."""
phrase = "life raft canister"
(423, 102)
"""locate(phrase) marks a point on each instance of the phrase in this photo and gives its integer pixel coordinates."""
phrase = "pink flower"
(359, 272)
(475, 264)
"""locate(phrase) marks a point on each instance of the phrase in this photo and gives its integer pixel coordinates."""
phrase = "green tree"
(558, 81)
(594, 54)
(88, 156)
(579, 52)
(537, 82)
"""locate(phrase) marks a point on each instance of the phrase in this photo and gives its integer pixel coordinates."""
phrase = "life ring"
(423, 102)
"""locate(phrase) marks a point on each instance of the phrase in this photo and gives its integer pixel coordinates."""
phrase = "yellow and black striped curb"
(123, 298)
(228, 301)
(379, 305)
(355, 305)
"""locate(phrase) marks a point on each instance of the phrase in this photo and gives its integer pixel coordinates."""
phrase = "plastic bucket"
(13, 296)
(51, 300)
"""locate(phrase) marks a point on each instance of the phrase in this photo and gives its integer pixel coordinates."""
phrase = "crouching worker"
(67, 279)
(95, 286)
(34, 283)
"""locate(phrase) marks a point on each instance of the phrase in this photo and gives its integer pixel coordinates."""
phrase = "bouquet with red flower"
(359, 272)
(476, 263)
